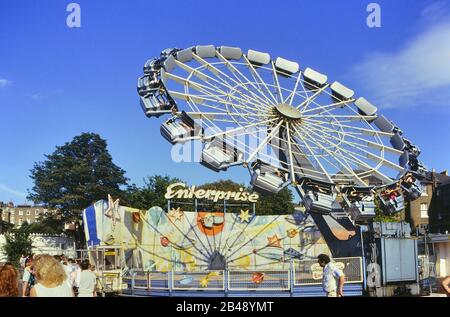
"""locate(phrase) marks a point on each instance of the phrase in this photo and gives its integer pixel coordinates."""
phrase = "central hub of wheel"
(288, 111)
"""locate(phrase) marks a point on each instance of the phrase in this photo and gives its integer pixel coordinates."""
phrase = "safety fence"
(309, 272)
(300, 274)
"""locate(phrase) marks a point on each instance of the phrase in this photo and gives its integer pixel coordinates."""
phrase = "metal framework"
(285, 124)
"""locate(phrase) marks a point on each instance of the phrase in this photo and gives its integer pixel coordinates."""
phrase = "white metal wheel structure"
(286, 124)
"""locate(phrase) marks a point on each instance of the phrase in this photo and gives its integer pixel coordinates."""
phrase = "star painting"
(175, 214)
(204, 282)
(274, 241)
(245, 215)
(291, 233)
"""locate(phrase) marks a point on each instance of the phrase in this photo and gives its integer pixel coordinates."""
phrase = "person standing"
(88, 281)
(330, 274)
(9, 283)
(22, 260)
(28, 278)
(51, 278)
(77, 273)
(67, 269)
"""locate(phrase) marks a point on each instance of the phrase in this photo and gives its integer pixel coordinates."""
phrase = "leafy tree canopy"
(151, 194)
(75, 175)
(51, 224)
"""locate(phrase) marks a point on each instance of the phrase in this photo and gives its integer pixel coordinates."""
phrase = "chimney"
(444, 173)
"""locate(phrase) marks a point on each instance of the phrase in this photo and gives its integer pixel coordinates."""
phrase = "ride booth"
(210, 243)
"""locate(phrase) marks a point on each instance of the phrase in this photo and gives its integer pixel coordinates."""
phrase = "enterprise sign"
(179, 190)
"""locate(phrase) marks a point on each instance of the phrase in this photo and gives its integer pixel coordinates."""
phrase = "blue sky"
(57, 82)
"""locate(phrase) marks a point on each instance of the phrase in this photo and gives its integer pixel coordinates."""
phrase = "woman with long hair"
(9, 283)
(50, 277)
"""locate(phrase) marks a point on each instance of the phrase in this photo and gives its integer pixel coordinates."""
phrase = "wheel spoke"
(305, 103)
(314, 156)
(334, 155)
(266, 140)
(256, 100)
(277, 83)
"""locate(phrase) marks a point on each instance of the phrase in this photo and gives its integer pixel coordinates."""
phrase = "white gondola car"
(411, 148)
(218, 155)
(148, 84)
(411, 186)
(266, 179)
(392, 206)
(360, 203)
(340, 93)
(180, 129)
(413, 191)
(318, 202)
(152, 65)
(155, 105)
(317, 196)
(314, 80)
(411, 161)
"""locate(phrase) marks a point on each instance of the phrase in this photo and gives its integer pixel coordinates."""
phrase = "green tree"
(276, 204)
(50, 224)
(74, 176)
(223, 184)
(5, 226)
(151, 194)
(17, 242)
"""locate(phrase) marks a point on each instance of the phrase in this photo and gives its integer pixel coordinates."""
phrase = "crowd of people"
(45, 275)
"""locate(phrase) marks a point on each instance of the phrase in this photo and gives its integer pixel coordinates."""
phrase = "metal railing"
(308, 272)
(300, 273)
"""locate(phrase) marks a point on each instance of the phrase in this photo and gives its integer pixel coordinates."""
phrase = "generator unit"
(391, 256)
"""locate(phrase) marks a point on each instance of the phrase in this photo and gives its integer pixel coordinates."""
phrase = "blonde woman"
(51, 278)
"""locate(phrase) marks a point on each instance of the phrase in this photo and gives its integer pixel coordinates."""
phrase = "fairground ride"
(332, 146)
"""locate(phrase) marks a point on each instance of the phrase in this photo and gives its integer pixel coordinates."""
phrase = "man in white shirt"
(330, 274)
(88, 281)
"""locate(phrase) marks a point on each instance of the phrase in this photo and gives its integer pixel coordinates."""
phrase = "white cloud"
(4, 82)
(11, 191)
(417, 74)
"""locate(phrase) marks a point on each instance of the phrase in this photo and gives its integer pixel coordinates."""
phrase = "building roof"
(441, 178)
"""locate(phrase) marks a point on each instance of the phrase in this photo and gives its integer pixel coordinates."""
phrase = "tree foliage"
(149, 195)
(50, 224)
(276, 204)
(5, 226)
(75, 175)
(17, 242)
